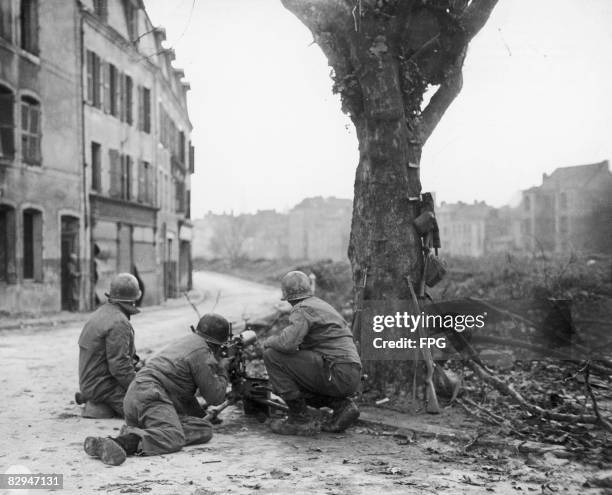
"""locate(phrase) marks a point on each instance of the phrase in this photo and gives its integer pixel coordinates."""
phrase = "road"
(42, 431)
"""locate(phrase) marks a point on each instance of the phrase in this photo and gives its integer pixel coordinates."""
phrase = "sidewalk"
(66, 317)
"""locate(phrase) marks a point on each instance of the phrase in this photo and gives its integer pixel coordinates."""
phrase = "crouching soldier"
(313, 361)
(162, 414)
(107, 356)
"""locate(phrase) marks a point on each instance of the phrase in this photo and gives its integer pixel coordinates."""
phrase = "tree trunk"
(385, 54)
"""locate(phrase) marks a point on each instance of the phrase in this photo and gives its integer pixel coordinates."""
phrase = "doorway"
(70, 245)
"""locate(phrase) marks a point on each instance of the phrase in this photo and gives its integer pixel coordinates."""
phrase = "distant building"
(569, 211)
(95, 158)
(319, 228)
(463, 227)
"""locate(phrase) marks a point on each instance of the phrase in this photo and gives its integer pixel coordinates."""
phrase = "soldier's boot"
(79, 399)
(345, 414)
(298, 422)
(112, 451)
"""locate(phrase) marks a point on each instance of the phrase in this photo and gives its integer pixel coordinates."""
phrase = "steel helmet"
(124, 288)
(295, 285)
(214, 328)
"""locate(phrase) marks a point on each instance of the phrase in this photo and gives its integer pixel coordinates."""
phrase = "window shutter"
(151, 191)
(90, 77)
(141, 182)
(37, 227)
(106, 99)
(115, 174)
(121, 99)
(7, 131)
(140, 109)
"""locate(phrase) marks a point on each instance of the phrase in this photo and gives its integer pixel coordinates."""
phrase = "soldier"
(313, 361)
(107, 356)
(162, 414)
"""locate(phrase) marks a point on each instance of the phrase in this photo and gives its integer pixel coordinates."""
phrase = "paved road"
(41, 428)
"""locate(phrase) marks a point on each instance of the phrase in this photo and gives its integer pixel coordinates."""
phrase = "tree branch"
(439, 103)
(476, 16)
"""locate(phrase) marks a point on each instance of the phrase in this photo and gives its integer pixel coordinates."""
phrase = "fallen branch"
(509, 390)
(602, 421)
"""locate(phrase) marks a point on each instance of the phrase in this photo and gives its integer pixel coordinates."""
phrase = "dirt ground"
(42, 431)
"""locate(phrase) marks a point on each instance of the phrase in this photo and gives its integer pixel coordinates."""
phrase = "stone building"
(138, 154)
(41, 191)
(95, 157)
(319, 228)
(571, 210)
(463, 227)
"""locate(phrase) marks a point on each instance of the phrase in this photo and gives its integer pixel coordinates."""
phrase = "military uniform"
(106, 358)
(160, 405)
(314, 357)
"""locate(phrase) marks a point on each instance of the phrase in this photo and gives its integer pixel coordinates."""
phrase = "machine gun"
(254, 393)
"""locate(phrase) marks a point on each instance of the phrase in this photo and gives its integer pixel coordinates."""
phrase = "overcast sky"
(268, 131)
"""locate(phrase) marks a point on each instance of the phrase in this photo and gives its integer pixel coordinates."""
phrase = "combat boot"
(106, 449)
(298, 421)
(112, 451)
(345, 414)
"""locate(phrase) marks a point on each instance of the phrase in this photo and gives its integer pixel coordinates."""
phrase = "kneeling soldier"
(107, 357)
(162, 414)
(313, 361)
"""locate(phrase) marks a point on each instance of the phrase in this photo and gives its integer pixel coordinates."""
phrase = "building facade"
(95, 159)
(570, 211)
(41, 193)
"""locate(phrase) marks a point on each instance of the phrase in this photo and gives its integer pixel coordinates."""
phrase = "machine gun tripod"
(254, 393)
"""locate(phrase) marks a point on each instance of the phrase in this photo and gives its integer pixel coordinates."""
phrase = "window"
(144, 109)
(105, 88)
(115, 174)
(131, 17)
(29, 25)
(93, 79)
(527, 203)
(126, 177)
(7, 123)
(129, 100)
(96, 167)
(146, 183)
(563, 201)
(6, 20)
(30, 131)
(7, 244)
(191, 158)
(115, 90)
(181, 151)
(101, 9)
(32, 245)
(179, 196)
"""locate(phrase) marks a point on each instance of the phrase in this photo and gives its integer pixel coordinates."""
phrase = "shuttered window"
(29, 25)
(6, 20)
(7, 123)
(115, 174)
(32, 245)
(30, 131)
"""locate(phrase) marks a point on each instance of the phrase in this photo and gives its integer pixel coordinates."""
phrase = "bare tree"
(385, 55)
(229, 236)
